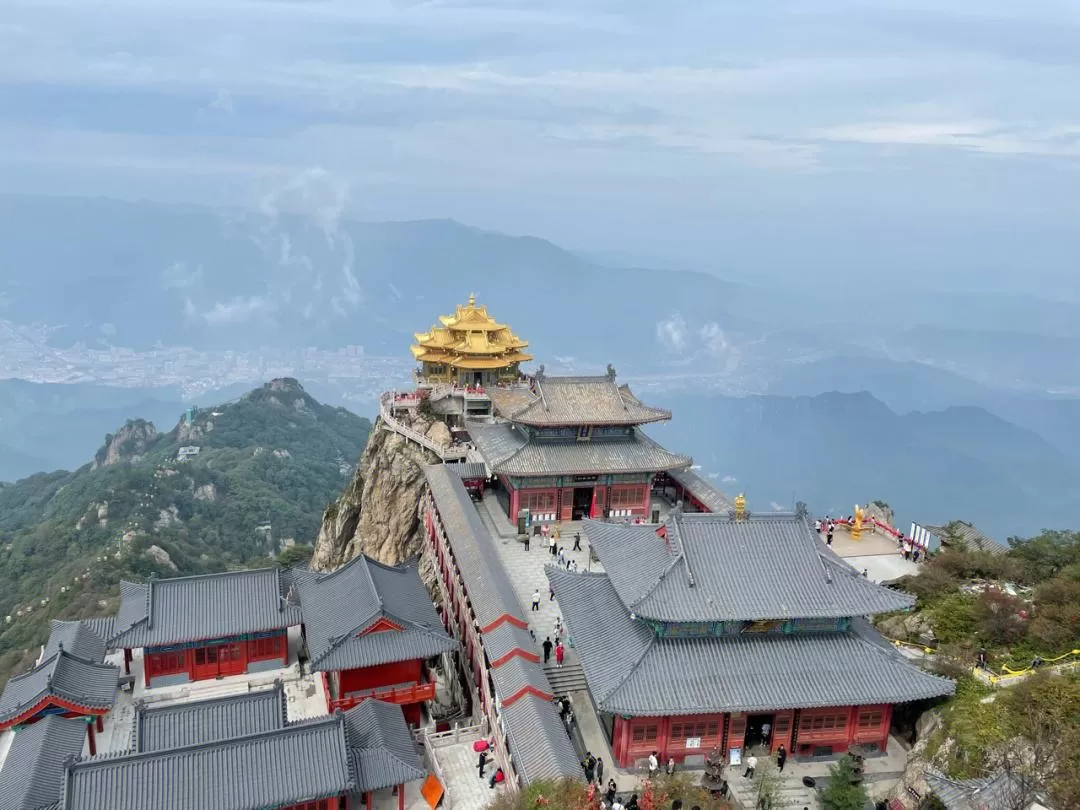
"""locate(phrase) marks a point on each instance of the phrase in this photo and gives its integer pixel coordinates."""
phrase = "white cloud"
(673, 333)
(240, 309)
(223, 101)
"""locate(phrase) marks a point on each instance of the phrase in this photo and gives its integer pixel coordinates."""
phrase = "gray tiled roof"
(975, 539)
(505, 639)
(630, 671)
(183, 609)
(76, 638)
(490, 591)
(299, 763)
(33, 771)
(179, 725)
(701, 489)
(469, 469)
(508, 450)
(713, 568)
(382, 747)
(340, 605)
(518, 673)
(62, 677)
(539, 745)
(1001, 791)
(585, 401)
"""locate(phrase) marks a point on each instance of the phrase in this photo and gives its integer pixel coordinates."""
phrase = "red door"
(218, 661)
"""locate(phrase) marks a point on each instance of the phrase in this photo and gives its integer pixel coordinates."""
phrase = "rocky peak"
(128, 444)
(285, 384)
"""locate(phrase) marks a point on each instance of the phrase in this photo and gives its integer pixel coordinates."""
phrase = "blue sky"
(786, 136)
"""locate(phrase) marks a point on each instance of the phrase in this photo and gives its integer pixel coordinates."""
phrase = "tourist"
(558, 628)
(676, 805)
(544, 531)
(617, 805)
(536, 600)
(496, 778)
(577, 541)
(914, 554)
(609, 795)
(781, 758)
(562, 558)
(817, 525)
(751, 764)
(632, 804)
(548, 646)
(766, 729)
(569, 721)
(551, 594)
(526, 536)
(654, 765)
(670, 766)
(555, 534)
(551, 543)
(560, 651)
(599, 771)
(574, 566)
(866, 573)
(828, 536)
(482, 763)
(589, 767)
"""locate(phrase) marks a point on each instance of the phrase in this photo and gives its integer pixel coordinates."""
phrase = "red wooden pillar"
(127, 660)
(100, 724)
(368, 801)
(852, 724)
(663, 738)
(401, 796)
(886, 724)
(92, 740)
(515, 501)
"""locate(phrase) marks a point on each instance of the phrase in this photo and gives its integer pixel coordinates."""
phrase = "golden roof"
(470, 339)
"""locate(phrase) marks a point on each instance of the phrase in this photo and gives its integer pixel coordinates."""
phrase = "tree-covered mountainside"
(267, 465)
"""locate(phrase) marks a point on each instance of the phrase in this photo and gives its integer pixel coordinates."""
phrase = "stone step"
(566, 679)
(793, 794)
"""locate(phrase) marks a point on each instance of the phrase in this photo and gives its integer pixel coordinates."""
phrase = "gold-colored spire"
(469, 340)
(472, 299)
(740, 507)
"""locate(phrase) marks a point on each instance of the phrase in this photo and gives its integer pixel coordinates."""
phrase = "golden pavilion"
(469, 348)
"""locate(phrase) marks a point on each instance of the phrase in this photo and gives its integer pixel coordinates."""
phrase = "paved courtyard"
(463, 785)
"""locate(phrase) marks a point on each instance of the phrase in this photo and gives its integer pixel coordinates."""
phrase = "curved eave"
(537, 421)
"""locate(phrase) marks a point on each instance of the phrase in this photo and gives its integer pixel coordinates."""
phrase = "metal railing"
(454, 452)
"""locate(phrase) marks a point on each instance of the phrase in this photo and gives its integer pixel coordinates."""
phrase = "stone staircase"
(793, 793)
(566, 679)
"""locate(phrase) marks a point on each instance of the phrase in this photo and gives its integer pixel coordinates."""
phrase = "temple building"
(480, 607)
(567, 448)
(70, 680)
(710, 627)
(204, 627)
(240, 753)
(32, 775)
(372, 630)
(470, 348)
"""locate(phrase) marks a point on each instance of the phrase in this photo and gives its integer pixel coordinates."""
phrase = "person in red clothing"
(496, 778)
(560, 652)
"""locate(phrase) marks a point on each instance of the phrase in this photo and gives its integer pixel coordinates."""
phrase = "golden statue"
(740, 507)
(856, 523)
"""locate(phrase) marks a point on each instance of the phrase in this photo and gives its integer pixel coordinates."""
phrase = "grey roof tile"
(631, 672)
(972, 536)
(585, 401)
(179, 725)
(62, 677)
(507, 450)
(701, 489)
(490, 591)
(1000, 791)
(506, 638)
(184, 609)
(713, 568)
(382, 746)
(516, 674)
(469, 469)
(78, 639)
(299, 763)
(339, 606)
(33, 771)
(539, 746)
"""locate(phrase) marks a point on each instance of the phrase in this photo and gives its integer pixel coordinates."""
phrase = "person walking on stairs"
(536, 600)
(547, 645)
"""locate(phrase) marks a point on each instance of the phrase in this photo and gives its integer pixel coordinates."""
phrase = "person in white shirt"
(654, 764)
(751, 763)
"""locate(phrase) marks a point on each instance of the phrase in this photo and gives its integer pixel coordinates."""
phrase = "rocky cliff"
(129, 443)
(378, 513)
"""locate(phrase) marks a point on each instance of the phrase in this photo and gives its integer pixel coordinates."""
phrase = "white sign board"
(735, 756)
(693, 742)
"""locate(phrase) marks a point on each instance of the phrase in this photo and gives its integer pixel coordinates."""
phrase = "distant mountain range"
(835, 449)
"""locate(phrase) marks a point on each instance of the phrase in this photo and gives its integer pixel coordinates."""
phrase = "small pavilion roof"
(381, 746)
(366, 613)
(79, 639)
(710, 496)
(511, 451)
(179, 725)
(186, 609)
(566, 401)
(33, 771)
(999, 791)
(62, 680)
(489, 588)
(705, 567)
(633, 672)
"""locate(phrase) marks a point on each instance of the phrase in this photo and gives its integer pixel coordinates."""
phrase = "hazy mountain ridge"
(834, 449)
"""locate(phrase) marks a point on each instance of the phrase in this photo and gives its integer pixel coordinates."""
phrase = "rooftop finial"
(540, 373)
(610, 371)
(740, 507)
(472, 299)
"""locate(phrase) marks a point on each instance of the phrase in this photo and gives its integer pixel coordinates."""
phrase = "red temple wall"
(400, 672)
(213, 661)
(635, 738)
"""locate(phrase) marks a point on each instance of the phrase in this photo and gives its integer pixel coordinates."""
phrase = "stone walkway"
(463, 783)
